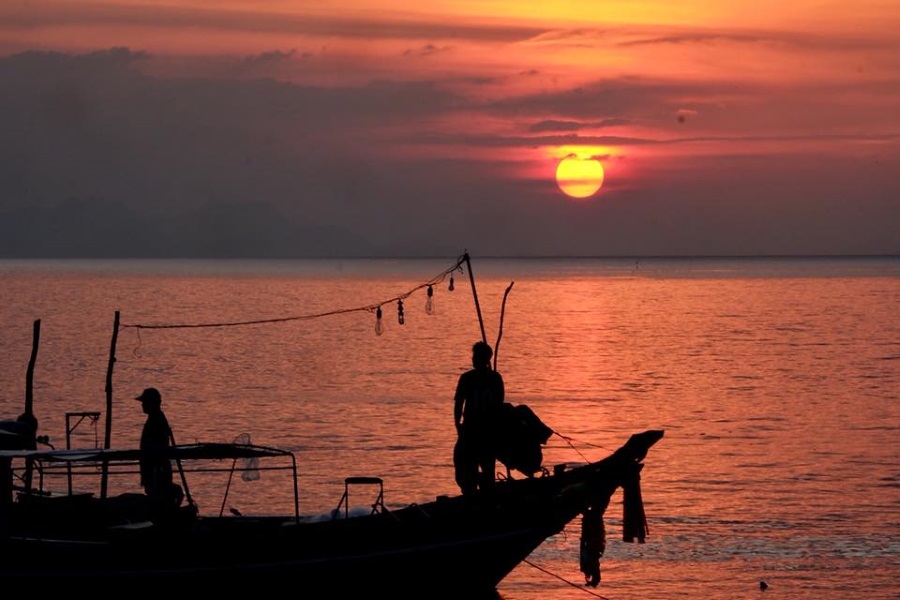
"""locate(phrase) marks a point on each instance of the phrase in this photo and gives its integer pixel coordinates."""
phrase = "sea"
(776, 381)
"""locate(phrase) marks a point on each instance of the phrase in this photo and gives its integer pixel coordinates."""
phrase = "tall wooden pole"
(109, 402)
(28, 415)
(475, 295)
(29, 377)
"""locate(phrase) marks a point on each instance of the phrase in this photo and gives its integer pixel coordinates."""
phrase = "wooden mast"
(29, 377)
(28, 415)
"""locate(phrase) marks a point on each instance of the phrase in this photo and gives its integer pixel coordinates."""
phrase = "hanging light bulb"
(451, 283)
(378, 328)
(429, 304)
(400, 311)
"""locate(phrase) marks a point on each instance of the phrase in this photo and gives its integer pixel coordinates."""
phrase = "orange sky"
(664, 93)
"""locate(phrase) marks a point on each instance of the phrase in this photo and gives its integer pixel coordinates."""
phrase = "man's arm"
(458, 400)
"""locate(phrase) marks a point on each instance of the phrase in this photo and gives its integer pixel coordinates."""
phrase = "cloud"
(561, 125)
(103, 156)
(273, 56)
(28, 16)
(224, 167)
(795, 39)
(426, 50)
(713, 108)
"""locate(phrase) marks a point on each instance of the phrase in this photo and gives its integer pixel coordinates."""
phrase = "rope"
(367, 308)
(564, 580)
(569, 440)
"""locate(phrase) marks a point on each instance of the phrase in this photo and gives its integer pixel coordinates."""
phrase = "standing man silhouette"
(156, 467)
(476, 412)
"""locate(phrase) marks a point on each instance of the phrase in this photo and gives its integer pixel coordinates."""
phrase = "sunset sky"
(369, 128)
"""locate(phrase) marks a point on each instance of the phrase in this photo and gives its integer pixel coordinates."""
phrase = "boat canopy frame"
(68, 461)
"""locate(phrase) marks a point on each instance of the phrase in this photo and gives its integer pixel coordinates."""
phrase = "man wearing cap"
(156, 467)
(477, 406)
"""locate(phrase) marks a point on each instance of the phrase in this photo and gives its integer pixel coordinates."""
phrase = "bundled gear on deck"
(520, 436)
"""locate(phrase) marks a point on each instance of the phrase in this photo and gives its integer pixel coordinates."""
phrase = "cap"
(150, 394)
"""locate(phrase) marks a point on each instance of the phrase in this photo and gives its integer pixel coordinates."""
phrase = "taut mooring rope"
(564, 580)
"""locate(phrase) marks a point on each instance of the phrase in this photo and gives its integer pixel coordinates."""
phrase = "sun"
(579, 177)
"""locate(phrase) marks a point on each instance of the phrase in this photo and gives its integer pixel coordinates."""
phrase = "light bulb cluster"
(401, 317)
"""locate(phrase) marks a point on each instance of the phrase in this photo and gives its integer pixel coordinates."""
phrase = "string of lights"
(371, 308)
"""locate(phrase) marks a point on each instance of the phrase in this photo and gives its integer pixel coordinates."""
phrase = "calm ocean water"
(776, 381)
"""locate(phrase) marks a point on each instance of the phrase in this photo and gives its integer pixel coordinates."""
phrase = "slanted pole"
(184, 484)
(500, 329)
(109, 374)
(475, 295)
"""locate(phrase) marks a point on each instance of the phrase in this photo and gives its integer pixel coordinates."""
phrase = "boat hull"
(394, 551)
(461, 544)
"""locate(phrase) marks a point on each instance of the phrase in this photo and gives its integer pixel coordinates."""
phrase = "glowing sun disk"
(579, 177)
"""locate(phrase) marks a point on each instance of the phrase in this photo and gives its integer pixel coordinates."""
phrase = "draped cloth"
(634, 519)
(593, 544)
